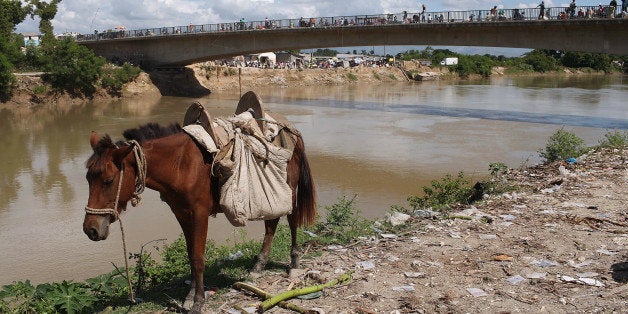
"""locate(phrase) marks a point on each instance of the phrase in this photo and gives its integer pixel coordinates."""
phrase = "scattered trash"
(366, 265)
(476, 292)
(235, 256)
(209, 293)
(536, 275)
(434, 264)
(506, 223)
(392, 258)
(472, 212)
(584, 281)
(563, 171)
(606, 252)
(502, 258)
(487, 236)
(568, 279)
(578, 265)
(397, 218)
(335, 247)
(515, 279)
(403, 288)
(572, 204)
(551, 190)
(455, 235)
(544, 263)
(571, 160)
(592, 282)
(377, 230)
(604, 215)
(420, 213)
(388, 235)
(310, 233)
(587, 275)
(508, 217)
(414, 275)
(188, 282)
(311, 296)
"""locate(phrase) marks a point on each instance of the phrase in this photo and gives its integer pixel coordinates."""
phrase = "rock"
(397, 218)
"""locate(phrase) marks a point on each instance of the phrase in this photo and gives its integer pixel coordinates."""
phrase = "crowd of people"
(612, 10)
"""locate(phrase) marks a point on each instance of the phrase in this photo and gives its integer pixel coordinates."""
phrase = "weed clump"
(562, 145)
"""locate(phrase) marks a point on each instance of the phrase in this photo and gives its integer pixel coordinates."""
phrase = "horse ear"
(119, 154)
(94, 139)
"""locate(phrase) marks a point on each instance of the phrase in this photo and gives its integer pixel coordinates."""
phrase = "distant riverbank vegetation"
(68, 67)
(535, 61)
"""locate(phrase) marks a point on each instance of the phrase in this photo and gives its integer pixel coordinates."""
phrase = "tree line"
(534, 61)
(68, 66)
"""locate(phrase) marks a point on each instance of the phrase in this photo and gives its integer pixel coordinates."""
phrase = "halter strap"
(140, 184)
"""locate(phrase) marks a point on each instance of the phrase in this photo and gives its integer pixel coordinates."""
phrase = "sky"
(85, 16)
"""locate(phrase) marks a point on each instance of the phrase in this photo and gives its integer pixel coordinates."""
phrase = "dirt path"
(558, 245)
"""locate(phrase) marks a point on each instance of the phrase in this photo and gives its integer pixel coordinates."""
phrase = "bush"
(72, 67)
(114, 78)
(7, 79)
(352, 77)
(541, 61)
(615, 139)
(443, 193)
(342, 224)
(562, 145)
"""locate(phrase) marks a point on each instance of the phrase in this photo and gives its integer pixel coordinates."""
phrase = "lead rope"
(126, 262)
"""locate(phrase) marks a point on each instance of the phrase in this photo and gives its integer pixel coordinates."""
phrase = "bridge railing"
(496, 15)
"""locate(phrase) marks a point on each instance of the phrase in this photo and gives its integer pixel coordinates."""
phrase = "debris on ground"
(557, 243)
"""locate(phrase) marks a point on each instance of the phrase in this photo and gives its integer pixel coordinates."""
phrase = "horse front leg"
(262, 259)
(195, 232)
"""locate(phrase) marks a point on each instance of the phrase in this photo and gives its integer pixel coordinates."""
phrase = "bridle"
(140, 184)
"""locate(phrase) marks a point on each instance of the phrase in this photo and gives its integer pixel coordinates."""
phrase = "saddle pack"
(251, 153)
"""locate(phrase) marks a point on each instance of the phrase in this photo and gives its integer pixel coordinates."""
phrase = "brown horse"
(169, 161)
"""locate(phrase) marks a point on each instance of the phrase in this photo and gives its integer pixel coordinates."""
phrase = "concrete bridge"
(182, 48)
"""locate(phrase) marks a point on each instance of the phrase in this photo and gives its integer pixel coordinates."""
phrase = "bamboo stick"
(271, 302)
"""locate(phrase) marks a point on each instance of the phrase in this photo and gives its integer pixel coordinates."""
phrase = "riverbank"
(558, 243)
(204, 78)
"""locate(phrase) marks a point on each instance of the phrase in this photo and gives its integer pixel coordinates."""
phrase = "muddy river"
(381, 143)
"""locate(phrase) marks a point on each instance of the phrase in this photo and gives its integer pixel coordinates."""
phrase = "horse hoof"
(196, 309)
(255, 274)
(187, 305)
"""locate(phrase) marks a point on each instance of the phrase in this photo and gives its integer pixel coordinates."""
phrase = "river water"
(381, 143)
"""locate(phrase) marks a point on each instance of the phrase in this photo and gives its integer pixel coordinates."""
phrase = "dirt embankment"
(201, 79)
(558, 244)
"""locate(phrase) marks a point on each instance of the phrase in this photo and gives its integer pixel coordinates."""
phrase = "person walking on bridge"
(572, 9)
(612, 8)
(542, 9)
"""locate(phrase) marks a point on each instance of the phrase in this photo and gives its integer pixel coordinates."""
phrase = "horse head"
(110, 188)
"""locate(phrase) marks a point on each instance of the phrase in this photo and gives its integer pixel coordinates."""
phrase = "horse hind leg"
(270, 228)
(294, 250)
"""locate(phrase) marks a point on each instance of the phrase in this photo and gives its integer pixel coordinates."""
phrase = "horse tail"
(306, 191)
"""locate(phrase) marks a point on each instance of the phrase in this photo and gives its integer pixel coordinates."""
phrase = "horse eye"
(108, 181)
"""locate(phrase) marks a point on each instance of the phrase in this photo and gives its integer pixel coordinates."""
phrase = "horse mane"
(140, 134)
(105, 143)
(151, 131)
